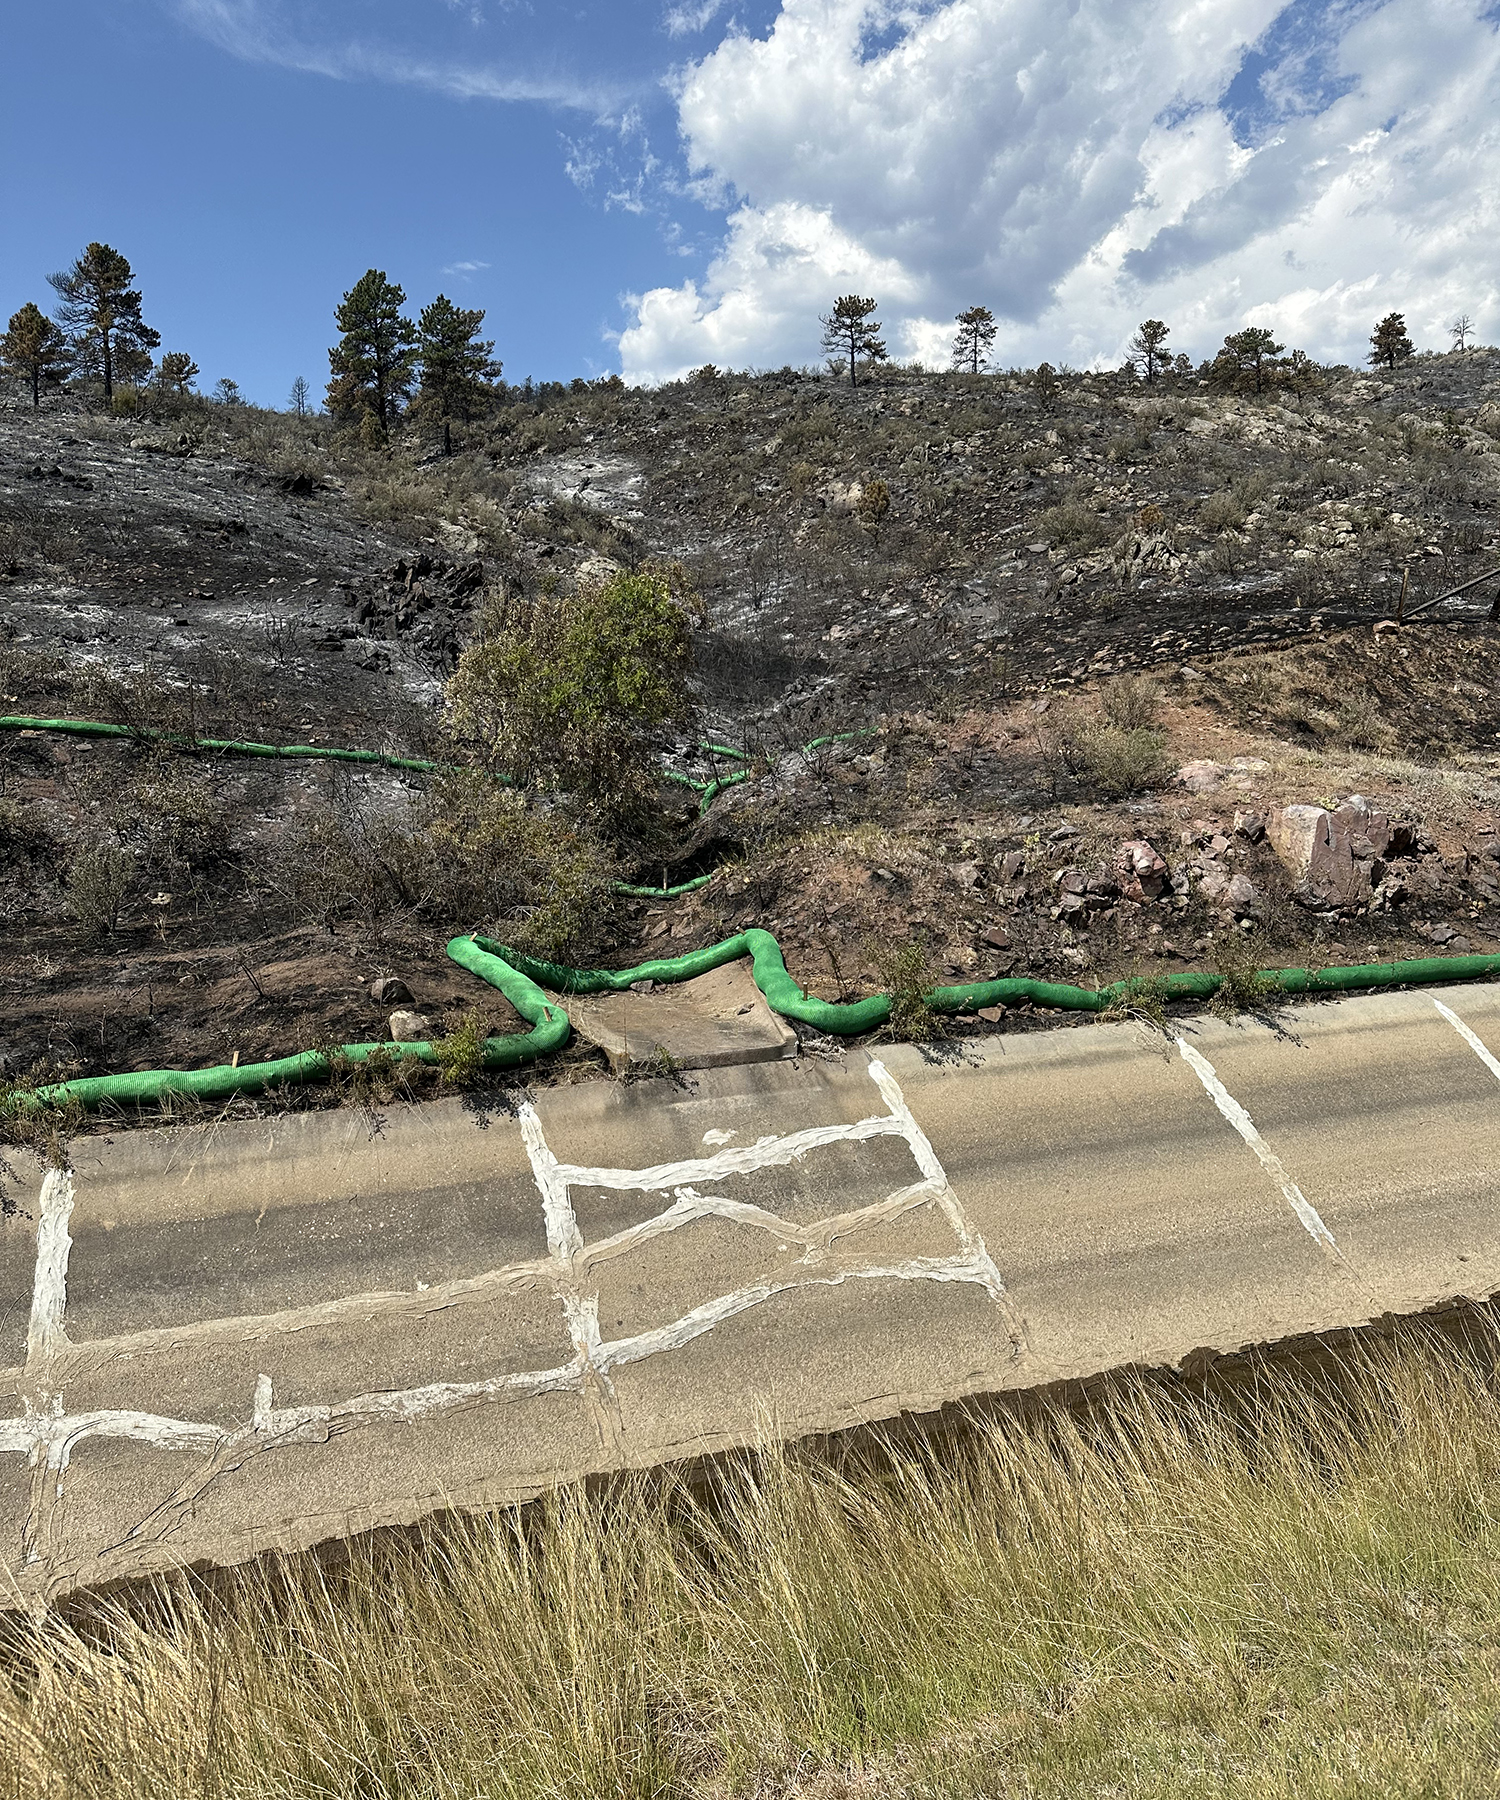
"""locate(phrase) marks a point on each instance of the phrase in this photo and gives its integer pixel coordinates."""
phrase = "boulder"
(1334, 857)
(411, 1028)
(389, 991)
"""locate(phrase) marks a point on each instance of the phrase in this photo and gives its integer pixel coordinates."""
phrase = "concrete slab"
(709, 1022)
(263, 1335)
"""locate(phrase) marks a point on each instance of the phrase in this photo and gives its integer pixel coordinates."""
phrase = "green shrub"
(573, 691)
(1114, 761)
(907, 972)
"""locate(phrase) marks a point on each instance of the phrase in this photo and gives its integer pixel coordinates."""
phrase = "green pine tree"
(1247, 359)
(458, 373)
(974, 339)
(1389, 343)
(101, 313)
(851, 334)
(34, 350)
(373, 364)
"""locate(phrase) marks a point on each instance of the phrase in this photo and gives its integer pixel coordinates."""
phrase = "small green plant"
(1142, 998)
(1075, 526)
(907, 972)
(1243, 985)
(460, 1055)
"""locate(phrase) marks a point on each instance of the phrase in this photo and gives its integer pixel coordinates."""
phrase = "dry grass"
(1290, 1591)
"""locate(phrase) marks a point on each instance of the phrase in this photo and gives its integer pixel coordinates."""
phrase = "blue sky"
(249, 192)
(651, 184)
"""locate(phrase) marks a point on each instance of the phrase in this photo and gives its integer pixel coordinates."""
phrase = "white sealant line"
(726, 1306)
(934, 1172)
(1236, 1115)
(564, 1240)
(1471, 1038)
(769, 1153)
(49, 1288)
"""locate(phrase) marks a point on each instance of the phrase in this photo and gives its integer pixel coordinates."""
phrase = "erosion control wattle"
(524, 979)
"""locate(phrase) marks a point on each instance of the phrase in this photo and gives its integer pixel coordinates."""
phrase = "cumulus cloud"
(1080, 167)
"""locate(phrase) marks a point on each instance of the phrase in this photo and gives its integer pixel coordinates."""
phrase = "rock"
(1201, 777)
(1250, 825)
(389, 991)
(1062, 834)
(991, 1014)
(1386, 628)
(1143, 873)
(642, 987)
(1013, 864)
(1334, 857)
(411, 1028)
(996, 936)
(1242, 897)
(967, 874)
(1437, 934)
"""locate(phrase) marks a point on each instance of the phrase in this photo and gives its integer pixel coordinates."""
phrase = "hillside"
(1077, 627)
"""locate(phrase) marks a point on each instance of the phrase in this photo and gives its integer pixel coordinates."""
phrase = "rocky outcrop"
(425, 603)
(1338, 858)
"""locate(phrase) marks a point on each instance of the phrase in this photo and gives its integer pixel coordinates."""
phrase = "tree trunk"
(36, 386)
(447, 438)
(109, 368)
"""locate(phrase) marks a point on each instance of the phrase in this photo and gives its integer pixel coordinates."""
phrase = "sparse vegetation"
(1286, 1585)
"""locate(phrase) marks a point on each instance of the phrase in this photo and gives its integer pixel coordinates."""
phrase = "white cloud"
(289, 35)
(1077, 169)
(463, 268)
(694, 16)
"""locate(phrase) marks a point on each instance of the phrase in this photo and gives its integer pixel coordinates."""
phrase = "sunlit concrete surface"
(271, 1333)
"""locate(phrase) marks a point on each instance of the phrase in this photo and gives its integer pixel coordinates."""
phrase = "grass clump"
(1243, 985)
(1284, 1588)
(1114, 762)
(908, 975)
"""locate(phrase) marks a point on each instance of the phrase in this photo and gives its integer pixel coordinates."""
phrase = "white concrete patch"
(1269, 1160)
(1471, 1038)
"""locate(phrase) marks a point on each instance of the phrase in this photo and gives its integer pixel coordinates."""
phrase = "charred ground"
(1037, 607)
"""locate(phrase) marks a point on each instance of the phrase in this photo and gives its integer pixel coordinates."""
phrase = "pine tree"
(1246, 359)
(1461, 330)
(458, 372)
(176, 372)
(227, 391)
(372, 365)
(1389, 343)
(34, 350)
(101, 312)
(1149, 345)
(974, 338)
(299, 397)
(849, 331)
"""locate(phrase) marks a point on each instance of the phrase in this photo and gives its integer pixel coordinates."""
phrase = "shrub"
(1132, 702)
(1243, 986)
(908, 974)
(533, 877)
(460, 1054)
(1075, 525)
(1114, 760)
(99, 877)
(572, 691)
(1221, 512)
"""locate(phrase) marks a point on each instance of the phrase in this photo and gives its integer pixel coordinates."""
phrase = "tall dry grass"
(1290, 1591)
